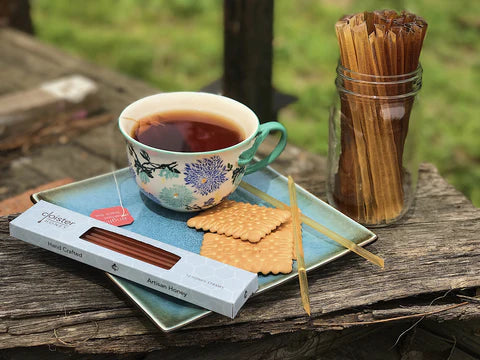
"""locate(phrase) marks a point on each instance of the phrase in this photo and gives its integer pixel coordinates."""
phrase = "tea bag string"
(118, 190)
(113, 168)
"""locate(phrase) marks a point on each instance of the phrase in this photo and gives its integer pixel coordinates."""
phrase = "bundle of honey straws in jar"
(372, 160)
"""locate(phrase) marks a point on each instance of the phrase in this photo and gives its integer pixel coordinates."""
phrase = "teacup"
(192, 181)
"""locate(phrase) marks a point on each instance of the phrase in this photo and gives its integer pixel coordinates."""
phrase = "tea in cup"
(190, 150)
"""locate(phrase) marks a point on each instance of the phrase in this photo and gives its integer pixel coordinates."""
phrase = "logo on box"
(51, 218)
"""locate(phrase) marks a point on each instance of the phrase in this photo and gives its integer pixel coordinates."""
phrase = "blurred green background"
(177, 45)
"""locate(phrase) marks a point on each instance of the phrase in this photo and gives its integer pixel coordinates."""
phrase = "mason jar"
(372, 159)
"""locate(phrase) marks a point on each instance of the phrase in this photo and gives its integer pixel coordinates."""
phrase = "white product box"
(194, 278)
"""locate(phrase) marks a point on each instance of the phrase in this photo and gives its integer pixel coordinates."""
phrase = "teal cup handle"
(263, 130)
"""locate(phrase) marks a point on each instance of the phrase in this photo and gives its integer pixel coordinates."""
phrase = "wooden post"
(248, 35)
(16, 14)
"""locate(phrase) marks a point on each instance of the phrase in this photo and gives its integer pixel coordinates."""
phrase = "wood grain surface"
(428, 254)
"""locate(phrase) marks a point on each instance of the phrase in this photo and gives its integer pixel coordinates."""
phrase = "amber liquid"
(187, 131)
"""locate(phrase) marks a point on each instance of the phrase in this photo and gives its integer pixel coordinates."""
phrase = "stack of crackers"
(251, 237)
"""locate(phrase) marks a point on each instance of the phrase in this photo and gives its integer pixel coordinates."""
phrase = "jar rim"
(371, 79)
(358, 82)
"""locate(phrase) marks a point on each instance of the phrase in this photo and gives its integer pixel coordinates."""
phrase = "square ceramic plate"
(170, 227)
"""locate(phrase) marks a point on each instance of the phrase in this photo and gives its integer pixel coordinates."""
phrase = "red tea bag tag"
(116, 215)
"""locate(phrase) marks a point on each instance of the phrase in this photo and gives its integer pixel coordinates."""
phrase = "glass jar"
(372, 162)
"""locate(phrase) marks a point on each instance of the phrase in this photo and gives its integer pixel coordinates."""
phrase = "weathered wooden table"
(53, 307)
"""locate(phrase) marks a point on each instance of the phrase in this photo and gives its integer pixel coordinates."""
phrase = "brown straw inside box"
(131, 247)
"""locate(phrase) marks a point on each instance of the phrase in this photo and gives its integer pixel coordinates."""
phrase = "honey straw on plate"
(367, 255)
(383, 46)
(297, 237)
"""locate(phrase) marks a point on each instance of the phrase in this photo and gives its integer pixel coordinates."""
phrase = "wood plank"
(417, 344)
(41, 62)
(20, 177)
(466, 333)
(50, 163)
(434, 267)
(121, 331)
(22, 202)
(26, 63)
(24, 113)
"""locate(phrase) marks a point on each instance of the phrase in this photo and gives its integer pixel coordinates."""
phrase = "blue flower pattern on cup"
(206, 175)
(177, 196)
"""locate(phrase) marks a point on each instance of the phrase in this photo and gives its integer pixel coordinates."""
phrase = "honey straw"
(151, 257)
(374, 259)
(131, 247)
(137, 244)
(297, 237)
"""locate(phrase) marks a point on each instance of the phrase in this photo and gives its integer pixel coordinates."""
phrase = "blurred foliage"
(177, 45)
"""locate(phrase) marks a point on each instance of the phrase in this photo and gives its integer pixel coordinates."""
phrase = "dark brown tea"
(187, 131)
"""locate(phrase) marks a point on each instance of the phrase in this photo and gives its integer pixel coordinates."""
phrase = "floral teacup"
(192, 181)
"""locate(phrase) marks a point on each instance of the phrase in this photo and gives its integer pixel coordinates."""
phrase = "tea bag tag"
(116, 215)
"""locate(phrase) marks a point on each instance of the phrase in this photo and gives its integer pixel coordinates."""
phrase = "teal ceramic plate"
(168, 226)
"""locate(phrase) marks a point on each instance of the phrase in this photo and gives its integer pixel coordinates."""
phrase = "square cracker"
(285, 231)
(273, 254)
(240, 220)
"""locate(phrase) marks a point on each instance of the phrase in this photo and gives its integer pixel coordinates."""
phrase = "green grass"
(177, 45)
